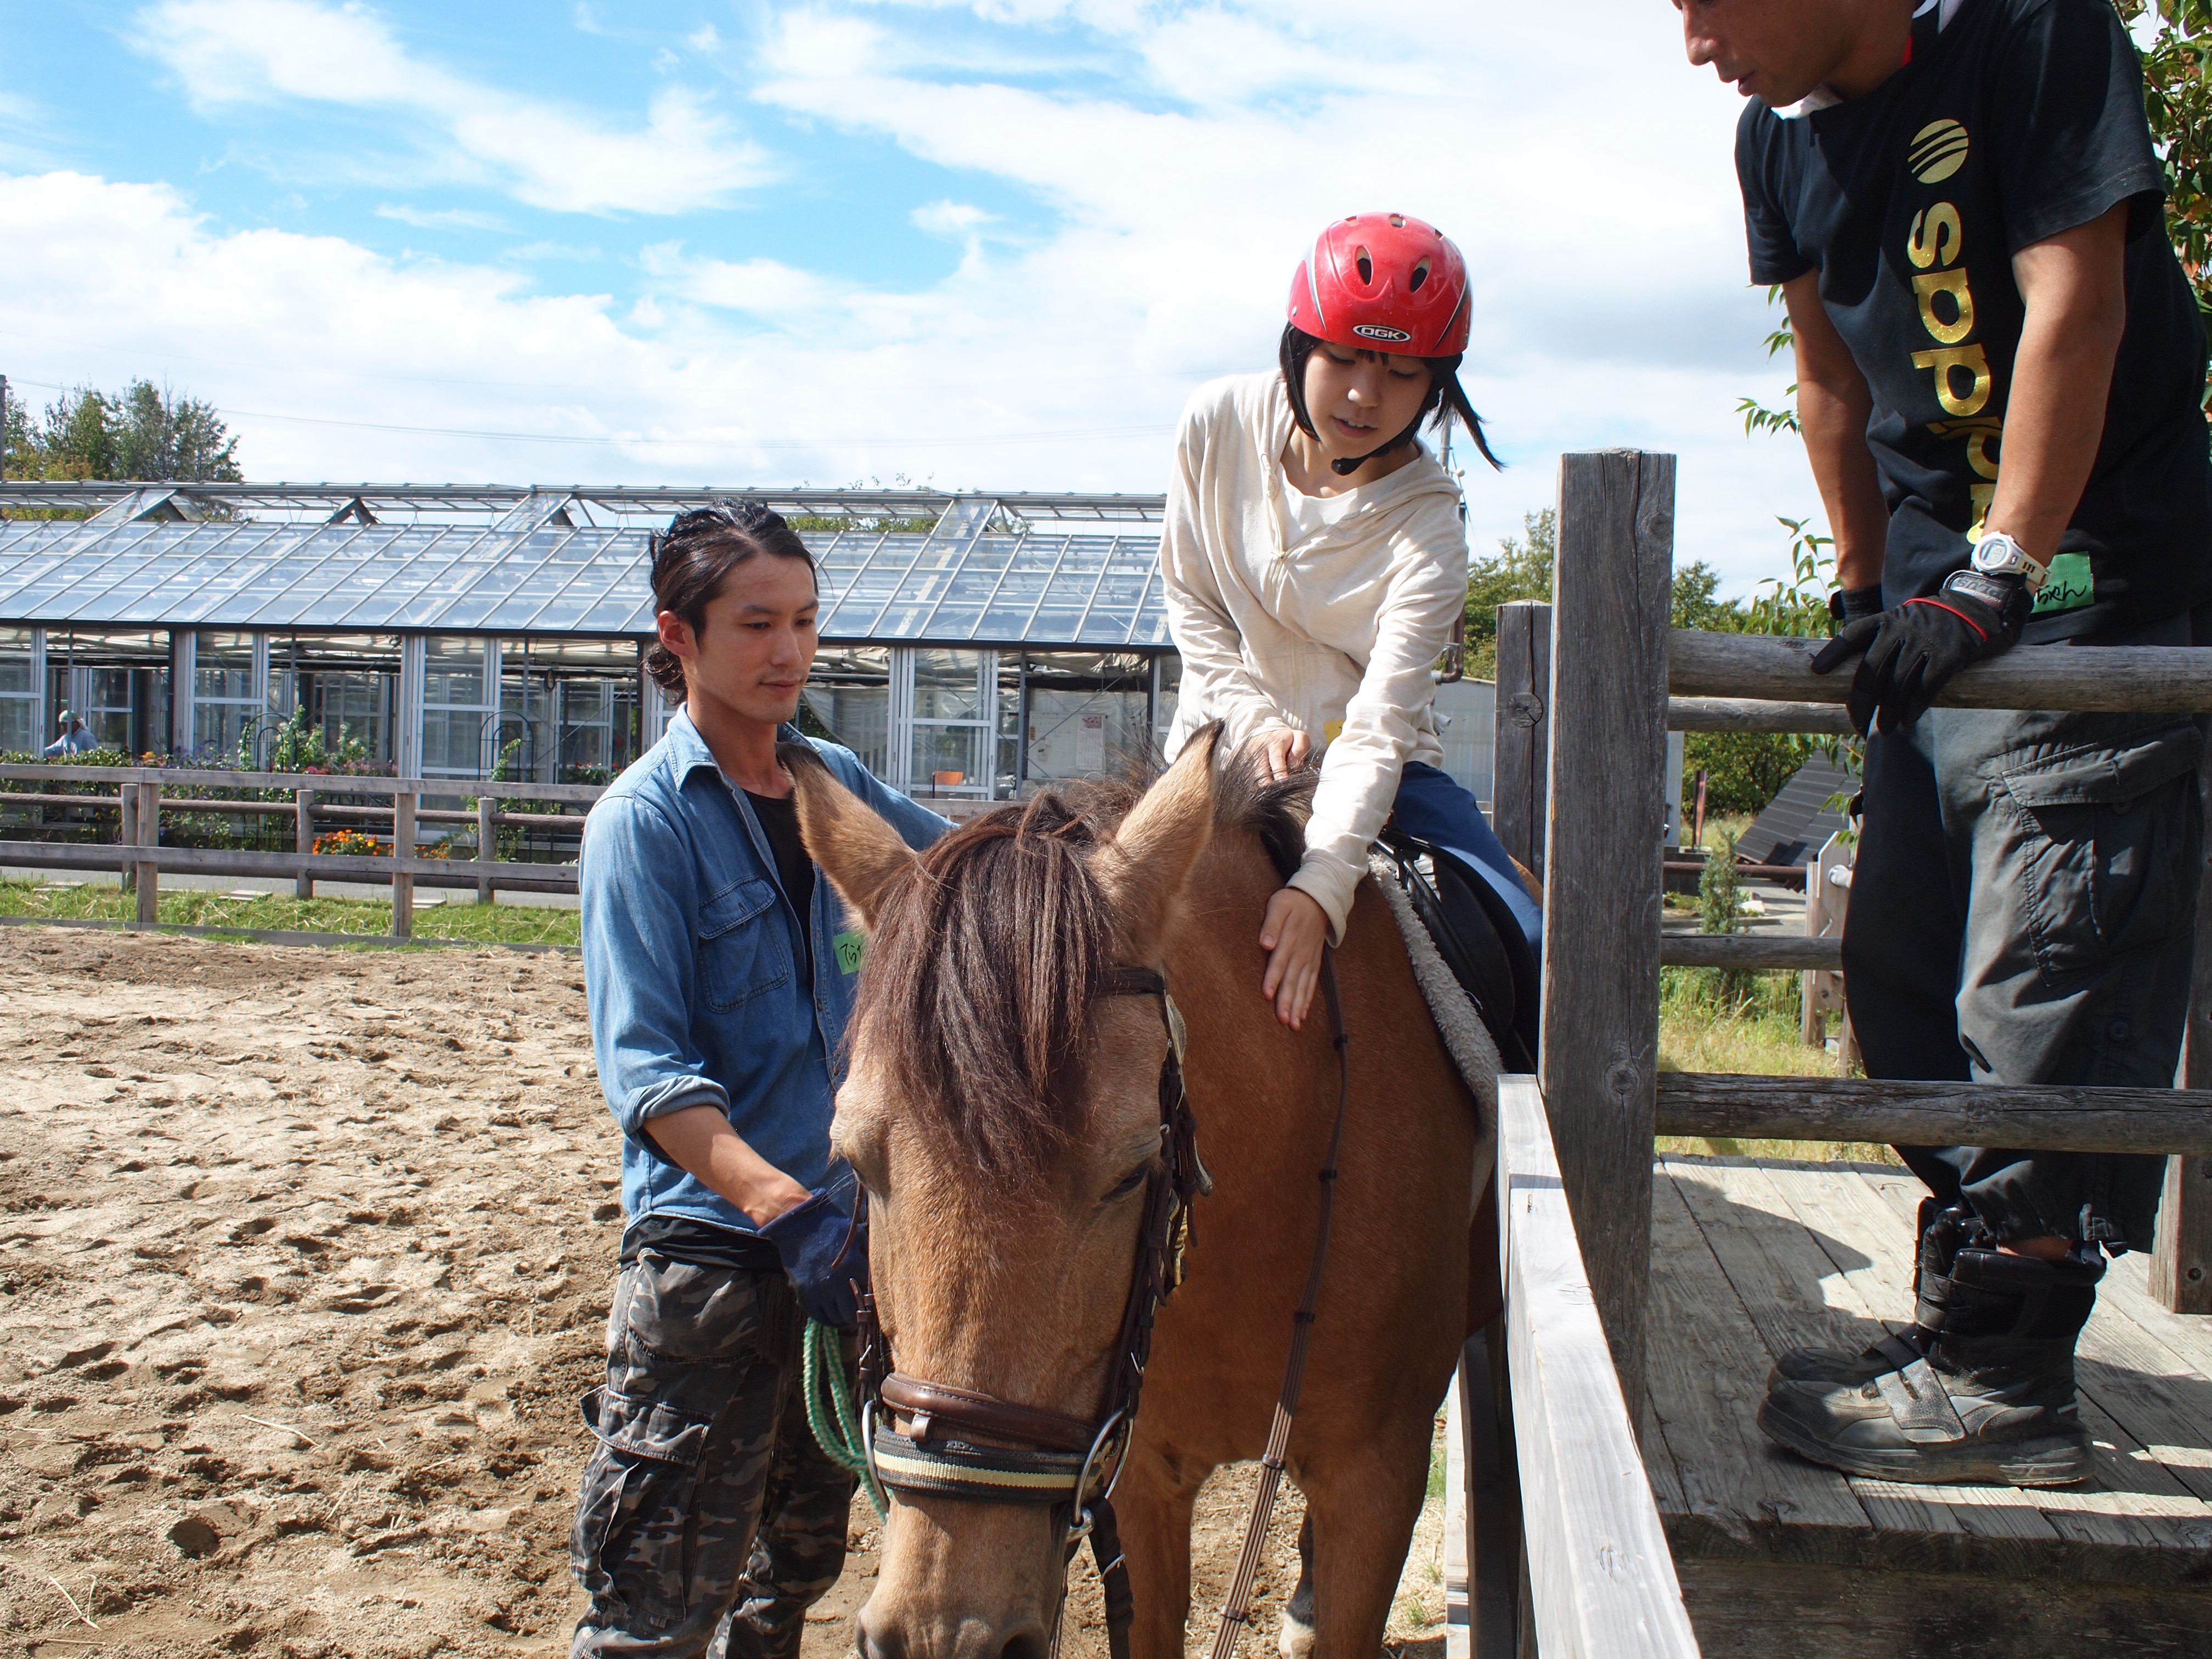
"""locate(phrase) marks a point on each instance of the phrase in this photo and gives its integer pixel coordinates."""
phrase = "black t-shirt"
(2022, 118)
(780, 819)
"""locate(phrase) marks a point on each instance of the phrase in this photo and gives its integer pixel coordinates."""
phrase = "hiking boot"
(1982, 1389)
(1940, 1233)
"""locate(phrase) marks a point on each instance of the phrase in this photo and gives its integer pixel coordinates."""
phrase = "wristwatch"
(1997, 554)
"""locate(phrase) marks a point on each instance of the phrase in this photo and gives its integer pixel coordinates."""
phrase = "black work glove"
(812, 1239)
(1848, 604)
(1913, 652)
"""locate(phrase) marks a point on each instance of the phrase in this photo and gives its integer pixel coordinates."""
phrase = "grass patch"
(491, 924)
(1714, 1020)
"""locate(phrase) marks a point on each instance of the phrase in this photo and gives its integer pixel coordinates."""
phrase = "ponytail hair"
(694, 557)
(1446, 398)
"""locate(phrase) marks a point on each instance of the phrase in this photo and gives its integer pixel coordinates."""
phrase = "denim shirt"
(692, 963)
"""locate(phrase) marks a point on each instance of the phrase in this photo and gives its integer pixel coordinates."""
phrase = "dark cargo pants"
(709, 1520)
(2023, 910)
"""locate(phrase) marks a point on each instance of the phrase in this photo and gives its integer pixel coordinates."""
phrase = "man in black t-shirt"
(1999, 368)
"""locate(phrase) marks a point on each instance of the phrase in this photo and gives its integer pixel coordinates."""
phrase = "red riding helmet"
(1383, 281)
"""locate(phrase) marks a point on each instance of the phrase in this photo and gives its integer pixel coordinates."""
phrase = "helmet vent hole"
(1366, 264)
(1421, 274)
(1397, 222)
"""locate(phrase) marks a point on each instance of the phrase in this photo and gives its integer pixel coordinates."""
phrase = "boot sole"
(2050, 1460)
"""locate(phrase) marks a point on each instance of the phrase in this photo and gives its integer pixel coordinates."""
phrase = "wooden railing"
(1600, 1579)
(139, 802)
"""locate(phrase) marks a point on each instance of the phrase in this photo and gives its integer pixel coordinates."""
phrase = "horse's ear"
(1151, 855)
(859, 852)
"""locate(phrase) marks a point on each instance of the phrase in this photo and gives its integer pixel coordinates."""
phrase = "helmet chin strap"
(1346, 466)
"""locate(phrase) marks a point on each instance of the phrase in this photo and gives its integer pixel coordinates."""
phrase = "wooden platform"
(1778, 1556)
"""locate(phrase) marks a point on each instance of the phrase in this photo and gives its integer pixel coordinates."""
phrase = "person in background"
(718, 971)
(2000, 366)
(1314, 563)
(73, 738)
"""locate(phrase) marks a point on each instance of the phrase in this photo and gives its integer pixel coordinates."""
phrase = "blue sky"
(983, 245)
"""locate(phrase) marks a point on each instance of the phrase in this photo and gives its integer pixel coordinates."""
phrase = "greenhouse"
(973, 645)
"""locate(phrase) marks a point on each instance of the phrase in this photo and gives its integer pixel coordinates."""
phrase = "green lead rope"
(830, 1411)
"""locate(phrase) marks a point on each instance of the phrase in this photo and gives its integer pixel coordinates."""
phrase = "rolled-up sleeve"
(639, 977)
(1361, 767)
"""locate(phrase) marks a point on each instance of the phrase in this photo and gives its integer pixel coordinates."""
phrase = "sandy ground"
(304, 1259)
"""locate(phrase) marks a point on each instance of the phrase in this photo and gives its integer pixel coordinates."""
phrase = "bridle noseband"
(1066, 1462)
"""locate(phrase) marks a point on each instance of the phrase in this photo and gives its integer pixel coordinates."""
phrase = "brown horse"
(1004, 1114)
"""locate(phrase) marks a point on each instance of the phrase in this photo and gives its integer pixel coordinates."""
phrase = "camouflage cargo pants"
(709, 1520)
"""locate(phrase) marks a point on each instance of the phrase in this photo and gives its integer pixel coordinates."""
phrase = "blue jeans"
(1431, 805)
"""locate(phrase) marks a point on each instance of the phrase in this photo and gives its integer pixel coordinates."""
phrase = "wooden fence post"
(1520, 747)
(2181, 1259)
(486, 844)
(403, 847)
(1605, 811)
(150, 834)
(126, 828)
(303, 839)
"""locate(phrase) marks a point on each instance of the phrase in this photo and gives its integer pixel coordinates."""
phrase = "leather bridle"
(1069, 1462)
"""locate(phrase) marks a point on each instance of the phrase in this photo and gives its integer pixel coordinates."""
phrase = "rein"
(1069, 1462)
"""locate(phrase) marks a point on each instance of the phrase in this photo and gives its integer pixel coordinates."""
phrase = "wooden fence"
(1587, 687)
(139, 802)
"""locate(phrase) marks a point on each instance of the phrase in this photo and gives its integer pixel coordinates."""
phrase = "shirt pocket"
(2106, 849)
(744, 944)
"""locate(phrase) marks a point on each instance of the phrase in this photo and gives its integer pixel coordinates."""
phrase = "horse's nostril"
(886, 1645)
(1028, 1643)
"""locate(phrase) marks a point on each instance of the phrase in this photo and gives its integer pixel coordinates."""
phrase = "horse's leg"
(1296, 1639)
(1362, 1502)
(1152, 1507)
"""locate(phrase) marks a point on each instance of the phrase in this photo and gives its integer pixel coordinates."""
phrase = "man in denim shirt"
(719, 974)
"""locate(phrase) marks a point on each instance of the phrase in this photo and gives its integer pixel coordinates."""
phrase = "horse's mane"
(989, 951)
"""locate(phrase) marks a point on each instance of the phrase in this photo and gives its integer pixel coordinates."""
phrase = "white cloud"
(440, 218)
(703, 38)
(230, 52)
(950, 218)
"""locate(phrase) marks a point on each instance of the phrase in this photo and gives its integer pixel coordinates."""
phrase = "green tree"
(2178, 104)
(145, 432)
(1520, 569)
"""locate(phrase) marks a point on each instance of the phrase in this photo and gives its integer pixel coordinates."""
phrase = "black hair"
(694, 557)
(1446, 398)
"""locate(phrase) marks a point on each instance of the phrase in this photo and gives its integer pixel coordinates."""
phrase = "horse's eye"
(1130, 1182)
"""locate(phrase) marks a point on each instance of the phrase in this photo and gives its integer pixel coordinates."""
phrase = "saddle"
(1476, 935)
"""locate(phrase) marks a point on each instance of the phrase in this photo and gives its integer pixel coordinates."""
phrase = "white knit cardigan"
(1332, 635)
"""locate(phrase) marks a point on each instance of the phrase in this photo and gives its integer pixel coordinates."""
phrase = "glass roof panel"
(1037, 587)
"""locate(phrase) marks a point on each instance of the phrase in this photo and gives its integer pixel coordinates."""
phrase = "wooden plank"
(403, 849)
(1706, 1369)
(2118, 679)
(2045, 1117)
(331, 866)
(1750, 950)
(1605, 807)
(1750, 714)
(148, 834)
(1601, 1579)
(2181, 1259)
(303, 838)
(486, 844)
(1520, 743)
(1748, 1610)
(328, 783)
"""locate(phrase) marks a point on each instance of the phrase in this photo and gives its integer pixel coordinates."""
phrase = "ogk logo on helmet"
(1380, 331)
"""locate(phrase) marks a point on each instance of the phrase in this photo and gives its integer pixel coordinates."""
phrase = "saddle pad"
(1459, 1024)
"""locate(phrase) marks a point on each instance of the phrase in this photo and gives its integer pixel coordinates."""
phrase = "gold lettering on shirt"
(1971, 358)
(1953, 283)
(1937, 237)
(1981, 435)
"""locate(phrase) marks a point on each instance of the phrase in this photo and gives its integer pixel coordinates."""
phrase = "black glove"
(812, 1239)
(1913, 652)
